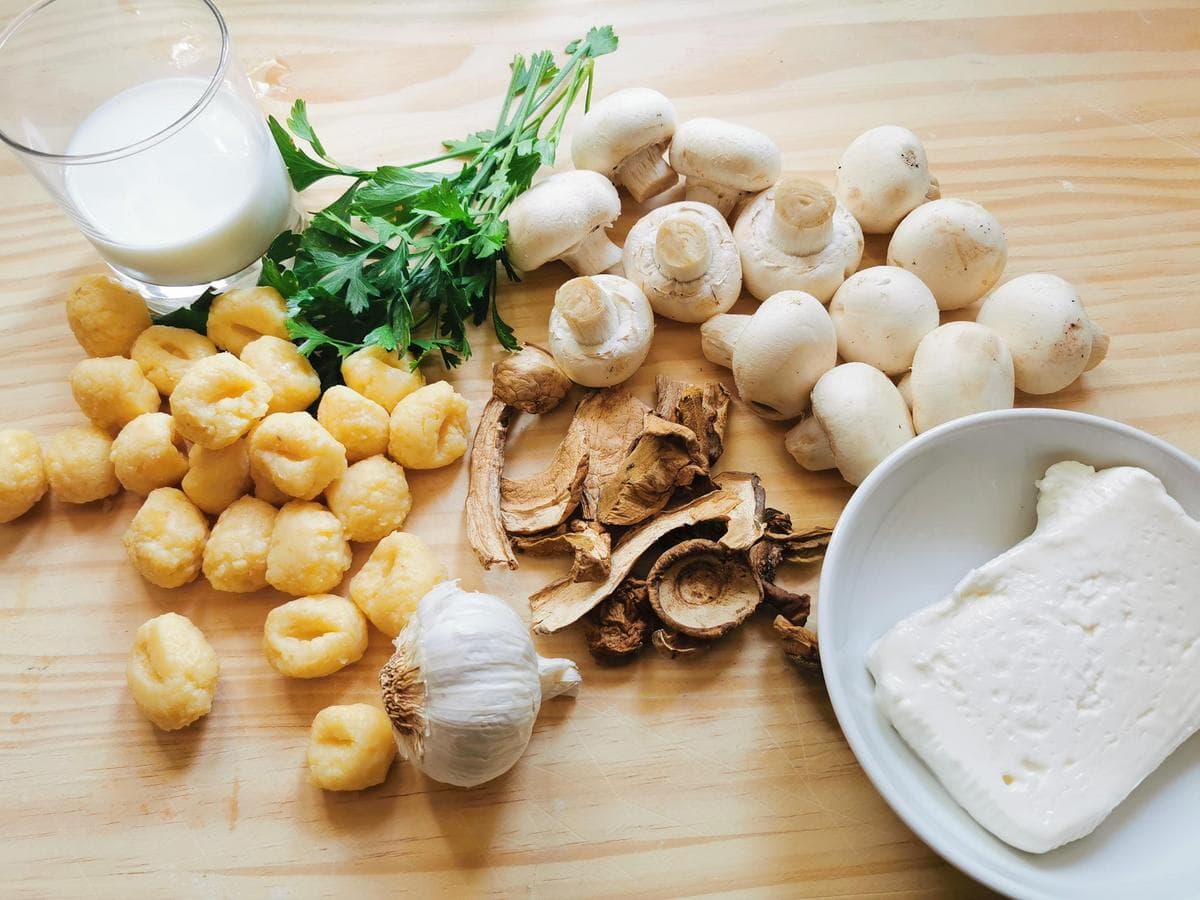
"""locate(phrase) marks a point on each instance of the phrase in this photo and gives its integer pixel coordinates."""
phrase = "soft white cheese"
(1060, 674)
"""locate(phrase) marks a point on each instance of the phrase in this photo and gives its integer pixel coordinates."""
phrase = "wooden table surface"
(1078, 126)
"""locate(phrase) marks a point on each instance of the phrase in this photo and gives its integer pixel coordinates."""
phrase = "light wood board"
(1076, 123)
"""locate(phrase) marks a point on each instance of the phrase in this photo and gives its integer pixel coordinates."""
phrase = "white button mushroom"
(959, 369)
(1047, 330)
(600, 329)
(883, 176)
(862, 417)
(723, 162)
(777, 354)
(565, 217)
(955, 246)
(683, 258)
(624, 136)
(880, 315)
(797, 237)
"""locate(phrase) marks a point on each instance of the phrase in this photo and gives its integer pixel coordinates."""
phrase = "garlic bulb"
(465, 685)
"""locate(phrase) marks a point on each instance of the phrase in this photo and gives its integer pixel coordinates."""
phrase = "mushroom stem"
(594, 254)
(719, 196)
(646, 173)
(1099, 347)
(587, 310)
(681, 248)
(719, 335)
(802, 222)
(809, 445)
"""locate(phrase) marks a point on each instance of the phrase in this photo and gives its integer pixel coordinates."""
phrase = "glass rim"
(214, 84)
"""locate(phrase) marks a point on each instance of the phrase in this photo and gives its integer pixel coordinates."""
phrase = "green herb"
(406, 257)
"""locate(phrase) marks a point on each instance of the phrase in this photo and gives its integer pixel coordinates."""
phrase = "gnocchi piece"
(293, 381)
(429, 428)
(112, 391)
(149, 454)
(79, 466)
(358, 424)
(350, 747)
(216, 478)
(172, 671)
(371, 499)
(385, 376)
(165, 353)
(308, 552)
(265, 490)
(235, 557)
(22, 474)
(217, 401)
(399, 572)
(296, 454)
(314, 636)
(239, 316)
(165, 540)
(105, 316)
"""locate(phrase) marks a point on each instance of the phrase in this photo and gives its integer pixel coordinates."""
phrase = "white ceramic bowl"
(944, 503)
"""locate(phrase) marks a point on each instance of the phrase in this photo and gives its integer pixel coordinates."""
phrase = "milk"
(196, 207)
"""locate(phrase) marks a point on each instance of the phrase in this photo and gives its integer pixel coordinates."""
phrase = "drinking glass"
(137, 118)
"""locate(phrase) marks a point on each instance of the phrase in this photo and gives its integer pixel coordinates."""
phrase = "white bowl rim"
(948, 848)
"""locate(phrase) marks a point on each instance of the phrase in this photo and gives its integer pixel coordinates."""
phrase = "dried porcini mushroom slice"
(485, 528)
(586, 541)
(661, 459)
(562, 602)
(746, 524)
(530, 380)
(620, 626)
(671, 643)
(704, 408)
(799, 644)
(803, 547)
(703, 589)
(765, 558)
(611, 421)
(779, 523)
(546, 500)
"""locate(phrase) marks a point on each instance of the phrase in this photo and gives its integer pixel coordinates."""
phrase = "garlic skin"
(465, 684)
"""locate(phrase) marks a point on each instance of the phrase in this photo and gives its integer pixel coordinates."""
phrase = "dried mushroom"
(562, 602)
(703, 589)
(530, 380)
(799, 644)
(671, 644)
(660, 460)
(547, 499)
(611, 420)
(704, 408)
(588, 542)
(620, 626)
(485, 529)
(746, 522)
(765, 558)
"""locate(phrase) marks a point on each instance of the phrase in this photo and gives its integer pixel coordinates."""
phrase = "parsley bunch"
(405, 257)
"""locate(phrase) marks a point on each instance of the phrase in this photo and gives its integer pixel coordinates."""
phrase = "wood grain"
(1077, 123)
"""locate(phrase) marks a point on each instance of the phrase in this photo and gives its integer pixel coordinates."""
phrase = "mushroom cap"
(685, 301)
(703, 589)
(767, 269)
(556, 214)
(955, 246)
(620, 125)
(621, 352)
(530, 380)
(880, 315)
(1042, 321)
(959, 369)
(883, 176)
(863, 415)
(786, 346)
(725, 153)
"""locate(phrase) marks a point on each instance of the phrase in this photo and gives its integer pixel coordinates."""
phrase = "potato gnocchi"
(172, 672)
(22, 474)
(217, 401)
(358, 424)
(149, 454)
(385, 376)
(105, 316)
(399, 572)
(240, 316)
(310, 637)
(371, 499)
(308, 552)
(235, 556)
(293, 381)
(112, 391)
(165, 541)
(429, 428)
(296, 454)
(216, 478)
(350, 747)
(165, 353)
(78, 464)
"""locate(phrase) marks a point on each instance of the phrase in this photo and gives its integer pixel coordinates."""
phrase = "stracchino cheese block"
(1060, 674)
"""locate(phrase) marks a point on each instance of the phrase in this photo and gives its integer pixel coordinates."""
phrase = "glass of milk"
(138, 119)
